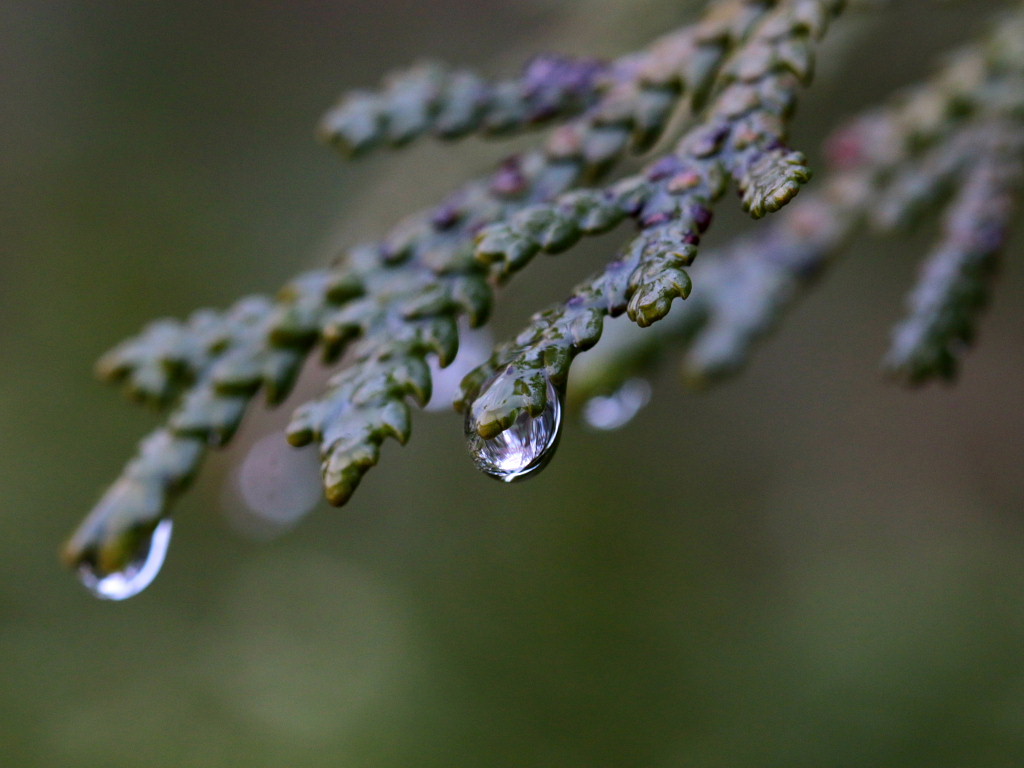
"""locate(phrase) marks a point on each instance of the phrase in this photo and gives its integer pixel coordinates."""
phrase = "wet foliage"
(710, 107)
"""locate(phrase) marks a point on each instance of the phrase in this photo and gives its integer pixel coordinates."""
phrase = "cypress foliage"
(715, 100)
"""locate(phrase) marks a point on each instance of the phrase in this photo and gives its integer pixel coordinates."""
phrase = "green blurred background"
(805, 567)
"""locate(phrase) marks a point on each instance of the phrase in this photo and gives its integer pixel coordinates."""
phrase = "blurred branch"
(961, 130)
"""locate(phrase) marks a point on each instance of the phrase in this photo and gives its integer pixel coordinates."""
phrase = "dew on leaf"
(523, 448)
(137, 574)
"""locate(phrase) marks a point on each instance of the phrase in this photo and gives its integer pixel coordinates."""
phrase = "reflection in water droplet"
(135, 576)
(612, 411)
(523, 448)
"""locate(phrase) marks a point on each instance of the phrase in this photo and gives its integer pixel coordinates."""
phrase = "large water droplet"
(607, 412)
(137, 575)
(523, 448)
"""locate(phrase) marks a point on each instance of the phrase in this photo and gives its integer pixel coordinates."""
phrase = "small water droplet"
(523, 448)
(137, 575)
(607, 412)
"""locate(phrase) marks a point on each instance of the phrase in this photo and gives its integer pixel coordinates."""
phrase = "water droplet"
(523, 448)
(607, 412)
(137, 575)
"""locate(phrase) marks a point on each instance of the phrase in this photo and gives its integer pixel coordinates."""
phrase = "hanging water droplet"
(137, 574)
(523, 448)
(607, 412)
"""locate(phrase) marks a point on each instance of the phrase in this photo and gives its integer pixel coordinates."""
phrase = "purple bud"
(509, 180)
(653, 220)
(445, 216)
(551, 73)
(665, 167)
(701, 217)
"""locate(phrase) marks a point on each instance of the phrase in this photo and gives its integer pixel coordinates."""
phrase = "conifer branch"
(954, 282)
(394, 305)
(398, 298)
(450, 104)
(888, 167)
(741, 137)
